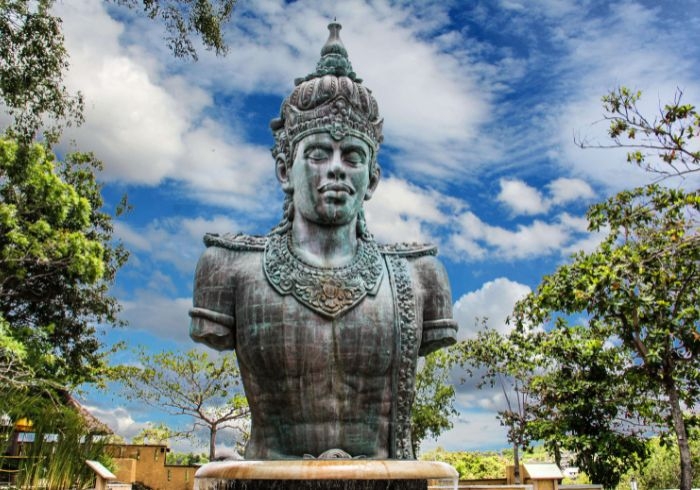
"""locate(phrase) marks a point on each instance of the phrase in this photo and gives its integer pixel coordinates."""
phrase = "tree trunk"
(557, 455)
(212, 442)
(516, 462)
(679, 428)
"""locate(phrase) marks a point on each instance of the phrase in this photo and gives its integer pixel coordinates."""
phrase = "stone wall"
(146, 464)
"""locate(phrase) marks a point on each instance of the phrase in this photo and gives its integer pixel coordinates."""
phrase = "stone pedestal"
(326, 475)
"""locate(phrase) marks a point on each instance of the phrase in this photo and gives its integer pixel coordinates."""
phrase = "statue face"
(330, 179)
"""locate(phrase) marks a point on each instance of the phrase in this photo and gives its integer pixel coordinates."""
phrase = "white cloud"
(602, 57)
(162, 316)
(175, 240)
(587, 243)
(471, 239)
(574, 223)
(473, 430)
(148, 126)
(563, 190)
(401, 211)
(493, 301)
(131, 121)
(536, 239)
(221, 168)
(521, 198)
(433, 100)
(131, 237)
(119, 419)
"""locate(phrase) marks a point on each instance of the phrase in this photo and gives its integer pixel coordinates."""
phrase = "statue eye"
(354, 157)
(317, 154)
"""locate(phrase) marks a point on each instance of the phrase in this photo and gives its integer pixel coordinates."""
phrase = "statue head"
(332, 101)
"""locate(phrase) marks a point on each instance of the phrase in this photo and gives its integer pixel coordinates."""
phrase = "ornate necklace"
(327, 291)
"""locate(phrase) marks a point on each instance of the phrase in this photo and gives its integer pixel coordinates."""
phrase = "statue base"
(338, 474)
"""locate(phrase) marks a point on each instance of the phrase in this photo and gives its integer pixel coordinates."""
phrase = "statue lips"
(334, 189)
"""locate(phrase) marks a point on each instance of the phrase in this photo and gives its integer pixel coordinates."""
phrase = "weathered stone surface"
(359, 474)
(327, 324)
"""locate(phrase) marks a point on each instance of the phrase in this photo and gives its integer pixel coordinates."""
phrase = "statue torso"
(318, 376)
(314, 383)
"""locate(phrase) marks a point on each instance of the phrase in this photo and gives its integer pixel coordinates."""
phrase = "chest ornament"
(327, 291)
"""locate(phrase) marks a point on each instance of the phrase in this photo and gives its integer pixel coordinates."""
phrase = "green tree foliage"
(668, 137)
(433, 405)
(190, 384)
(59, 444)
(637, 302)
(502, 363)
(34, 60)
(154, 434)
(584, 404)
(57, 261)
(183, 18)
(186, 459)
(618, 355)
(14, 370)
(662, 469)
(562, 388)
(471, 464)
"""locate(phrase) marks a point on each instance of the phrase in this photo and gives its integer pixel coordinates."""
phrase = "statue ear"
(374, 176)
(283, 173)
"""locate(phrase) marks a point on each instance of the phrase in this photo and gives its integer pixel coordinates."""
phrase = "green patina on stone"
(327, 324)
(334, 58)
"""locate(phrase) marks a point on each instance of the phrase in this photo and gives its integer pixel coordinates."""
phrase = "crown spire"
(334, 58)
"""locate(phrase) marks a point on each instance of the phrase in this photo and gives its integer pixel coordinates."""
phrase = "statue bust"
(327, 324)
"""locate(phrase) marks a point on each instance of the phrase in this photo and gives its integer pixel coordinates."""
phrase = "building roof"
(543, 471)
(94, 425)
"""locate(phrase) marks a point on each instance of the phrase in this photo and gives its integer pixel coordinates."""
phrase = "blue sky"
(481, 102)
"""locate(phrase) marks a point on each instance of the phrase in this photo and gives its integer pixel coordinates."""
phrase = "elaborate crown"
(332, 99)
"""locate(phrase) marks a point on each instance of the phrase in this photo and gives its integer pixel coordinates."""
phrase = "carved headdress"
(332, 99)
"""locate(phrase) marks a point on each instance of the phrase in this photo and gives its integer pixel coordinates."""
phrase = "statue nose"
(335, 167)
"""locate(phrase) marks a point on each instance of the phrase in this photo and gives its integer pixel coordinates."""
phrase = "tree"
(185, 459)
(637, 294)
(499, 360)
(189, 384)
(182, 18)
(433, 405)
(668, 136)
(33, 57)
(561, 388)
(584, 404)
(61, 442)
(13, 369)
(33, 61)
(57, 262)
(471, 464)
(662, 470)
(154, 434)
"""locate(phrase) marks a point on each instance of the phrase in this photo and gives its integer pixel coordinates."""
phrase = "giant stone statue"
(327, 323)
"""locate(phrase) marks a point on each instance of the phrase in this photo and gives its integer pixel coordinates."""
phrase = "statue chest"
(279, 336)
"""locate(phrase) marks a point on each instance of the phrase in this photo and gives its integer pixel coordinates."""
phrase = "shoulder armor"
(408, 250)
(239, 241)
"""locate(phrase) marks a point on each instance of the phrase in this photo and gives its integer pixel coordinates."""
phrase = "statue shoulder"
(238, 242)
(422, 260)
(408, 250)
